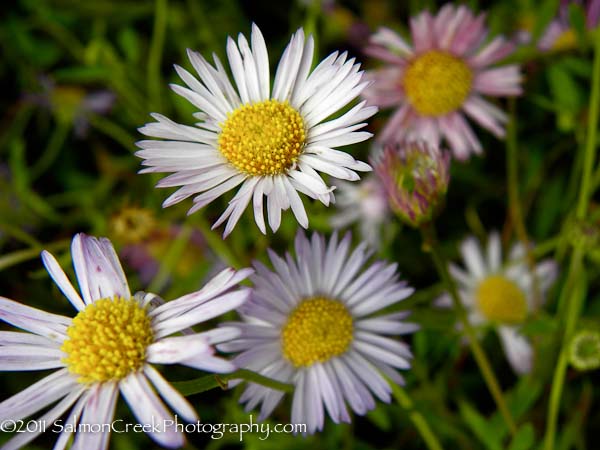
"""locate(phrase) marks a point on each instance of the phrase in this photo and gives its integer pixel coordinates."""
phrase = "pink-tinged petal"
(385, 55)
(98, 269)
(221, 334)
(389, 38)
(99, 409)
(70, 423)
(51, 326)
(21, 439)
(486, 114)
(220, 283)
(421, 27)
(38, 396)
(61, 280)
(16, 337)
(170, 395)
(460, 136)
(496, 50)
(501, 81)
(469, 35)
(397, 124)
(518, 350)
(593, 14)
(208, 363)
(147, 408)
(29, 357)
(202, 313)
(175, 349)
(446, 31)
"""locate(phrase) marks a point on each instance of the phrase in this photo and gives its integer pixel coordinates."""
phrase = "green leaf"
(487, 434)
(524, 439)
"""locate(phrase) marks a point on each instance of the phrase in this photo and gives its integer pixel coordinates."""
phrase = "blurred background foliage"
(79, 77)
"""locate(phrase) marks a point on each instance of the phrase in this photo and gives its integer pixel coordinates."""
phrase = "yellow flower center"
(316, 331)
(501, 300)
(107, 340)
(263, 138)
(567, 40)
(132, 224)
(437, 83)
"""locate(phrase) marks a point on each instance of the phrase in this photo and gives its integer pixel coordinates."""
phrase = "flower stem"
(156, 51)
(515, 211)
(202, 384)
(575, 297)
(430, 243)
(592, 131)
(416, 417)
(558, 379)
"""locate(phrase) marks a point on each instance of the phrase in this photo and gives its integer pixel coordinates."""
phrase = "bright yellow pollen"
(437, 83)
(263, 138)
(501, 300)
(316, 331)
(107, 340)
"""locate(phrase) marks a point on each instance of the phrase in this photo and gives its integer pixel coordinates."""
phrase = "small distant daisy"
(313, 322)
(502, 295)
(560, 35)
(272, 142)
(110, 346)
(442, 76)
(365, 203)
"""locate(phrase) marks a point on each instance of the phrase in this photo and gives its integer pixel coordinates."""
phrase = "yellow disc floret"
(316, 331)
(437, 83)
(108, 340)
(501, 300)
(263, 138)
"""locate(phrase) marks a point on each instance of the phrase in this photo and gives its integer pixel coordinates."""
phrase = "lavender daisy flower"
(313, 322)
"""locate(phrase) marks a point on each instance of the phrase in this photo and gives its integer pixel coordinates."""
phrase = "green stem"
(430, 243)
(416, 417)
(590, 142)
(55, 144)
(112, 130)
(573, 296)
(574, 303)
(156, 50)
(20, 256)
(516, 213)
(206, 383)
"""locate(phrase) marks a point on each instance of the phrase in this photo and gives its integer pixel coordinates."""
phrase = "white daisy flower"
(272, 142)
(311, 322)
(501, 295)
(110, 346)
(364, 203)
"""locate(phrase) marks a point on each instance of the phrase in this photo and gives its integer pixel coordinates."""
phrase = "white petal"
(61, 280)
(170, 395)
(148, 409)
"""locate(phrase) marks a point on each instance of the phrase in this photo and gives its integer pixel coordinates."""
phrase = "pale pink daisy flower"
(270, 140)
(110, 346)
(440, 78)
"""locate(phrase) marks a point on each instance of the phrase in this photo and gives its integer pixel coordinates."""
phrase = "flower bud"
(415, 176)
